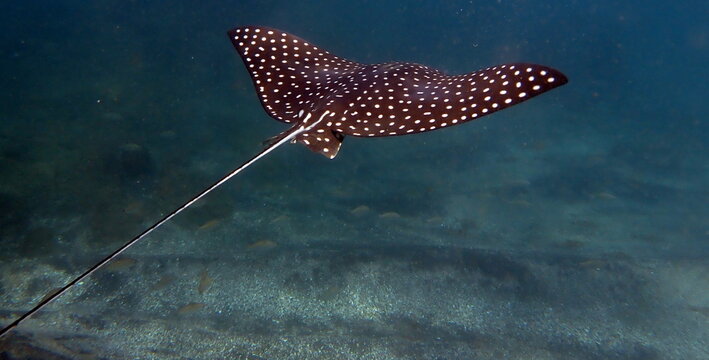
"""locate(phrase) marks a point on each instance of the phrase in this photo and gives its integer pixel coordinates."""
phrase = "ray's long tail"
(280, 140)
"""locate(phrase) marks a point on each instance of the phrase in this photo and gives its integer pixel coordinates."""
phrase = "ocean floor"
(365, 302)
(515, 249)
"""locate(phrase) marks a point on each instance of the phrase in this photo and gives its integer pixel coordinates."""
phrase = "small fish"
(539, 145)
(209, 224)
(279, 219)
(168, 133)
(112, 116)
(190, 308)
(121, 264)
(389, 215)
(704, 310)
(572, 244)
(604, 195)
(134, 208)
(131, 147)
(520, 202)
(435, 220)
(519, 182)
(262, 244)
(360, 210)
(243, 356)
(592, 263)
(205, 281)
(330, 293)
(164, 281)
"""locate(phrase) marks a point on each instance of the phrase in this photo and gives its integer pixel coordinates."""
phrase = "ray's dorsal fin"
(389, 99)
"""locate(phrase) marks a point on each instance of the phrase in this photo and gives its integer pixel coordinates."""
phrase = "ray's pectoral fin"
(322, 140)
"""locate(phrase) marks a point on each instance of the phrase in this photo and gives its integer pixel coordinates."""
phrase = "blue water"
(574, 225)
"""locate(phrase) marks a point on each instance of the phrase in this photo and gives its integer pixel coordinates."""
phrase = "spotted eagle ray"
(326, 97)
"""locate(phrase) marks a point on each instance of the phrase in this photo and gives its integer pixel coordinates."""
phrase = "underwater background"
(573, 226)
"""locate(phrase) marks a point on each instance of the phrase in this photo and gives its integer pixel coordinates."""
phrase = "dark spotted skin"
(300, 83)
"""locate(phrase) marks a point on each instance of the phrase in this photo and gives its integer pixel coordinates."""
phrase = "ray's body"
(294, 79)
